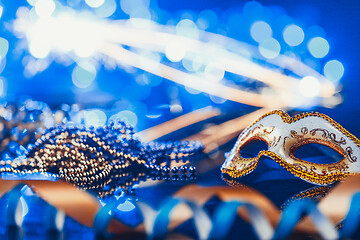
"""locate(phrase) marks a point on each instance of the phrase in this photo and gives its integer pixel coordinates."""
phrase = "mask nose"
(235, 161)
(229, 162)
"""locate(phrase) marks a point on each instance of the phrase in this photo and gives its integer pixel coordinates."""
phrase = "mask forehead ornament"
(284, 135)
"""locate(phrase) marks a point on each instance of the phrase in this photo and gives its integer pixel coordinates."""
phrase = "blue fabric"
(75, 231)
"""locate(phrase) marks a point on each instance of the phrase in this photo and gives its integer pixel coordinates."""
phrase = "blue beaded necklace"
(99, 159)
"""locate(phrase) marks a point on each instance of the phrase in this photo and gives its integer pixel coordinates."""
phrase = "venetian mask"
(285, 135)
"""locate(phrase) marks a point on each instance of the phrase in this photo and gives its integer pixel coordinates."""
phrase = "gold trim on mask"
(331, 173)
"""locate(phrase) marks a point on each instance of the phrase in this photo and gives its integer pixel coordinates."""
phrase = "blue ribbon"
(201, 219)
(223, 218)
(51, 213)
(13, 200)
(225, 215)
(293, 213)
(103, 217)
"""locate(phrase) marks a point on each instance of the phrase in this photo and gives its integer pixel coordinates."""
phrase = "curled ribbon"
(266, 219)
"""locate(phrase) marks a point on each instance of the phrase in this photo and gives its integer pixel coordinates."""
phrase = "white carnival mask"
(284, 135)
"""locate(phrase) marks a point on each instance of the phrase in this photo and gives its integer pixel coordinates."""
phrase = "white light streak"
(214, 71)
(207, 57)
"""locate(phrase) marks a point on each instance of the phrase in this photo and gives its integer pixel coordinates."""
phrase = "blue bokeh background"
(339, 19)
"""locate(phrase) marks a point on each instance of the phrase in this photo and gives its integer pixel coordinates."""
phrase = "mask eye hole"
(251, 148)
(318, 153)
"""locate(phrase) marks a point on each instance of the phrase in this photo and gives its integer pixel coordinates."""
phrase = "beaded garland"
(100, 159)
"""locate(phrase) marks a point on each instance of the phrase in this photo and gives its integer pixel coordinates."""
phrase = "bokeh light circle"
(2, 86)
(187, 28)
(175, 51)
(333, 70)
(39, 48)
(293, 35)
(260, 31)
(44, 8)
(95, 118)
(129, 6)
(214, 71)
(94, 3)
(270, 48)
(106, 9)
(126, 116)
(83, 75)
(4, 47)
(207, 19)
(318, 47)
(309, 86)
